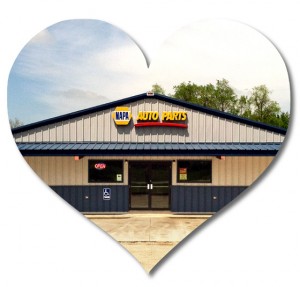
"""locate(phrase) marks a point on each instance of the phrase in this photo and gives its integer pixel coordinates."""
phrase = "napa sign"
(122, 116)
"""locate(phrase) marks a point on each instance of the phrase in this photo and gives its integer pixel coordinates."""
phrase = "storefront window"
(194, 171)
(105, 171)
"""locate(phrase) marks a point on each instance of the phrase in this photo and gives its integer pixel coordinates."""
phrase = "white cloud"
(75, 62)
(206, 51)
(71, 100)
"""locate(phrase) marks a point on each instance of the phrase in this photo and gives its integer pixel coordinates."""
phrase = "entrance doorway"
(150, 184)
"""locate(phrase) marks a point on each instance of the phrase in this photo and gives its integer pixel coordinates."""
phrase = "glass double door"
(150, 185)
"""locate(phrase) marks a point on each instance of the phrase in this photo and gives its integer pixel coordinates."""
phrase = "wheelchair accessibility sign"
(106, 193)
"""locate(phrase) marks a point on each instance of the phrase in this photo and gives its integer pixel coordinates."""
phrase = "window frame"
(105, 161)
(193, 181)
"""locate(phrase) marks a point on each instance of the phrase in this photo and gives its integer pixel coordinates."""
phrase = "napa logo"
(122, 116)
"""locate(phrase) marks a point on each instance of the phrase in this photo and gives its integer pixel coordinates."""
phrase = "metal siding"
(90, 198)
(228, 131)
(93, 128)
(243, 133)
(79, 199)
(51, 166)
(278, 137)
(221, 131)
(242, 167)
(111, 128)
(207, 196)
(262, 136)
(45, 134)
(256, 134)
(215, 197)
(203, 199)
(79, 130)
(66, 131)
(216, 132)
(59, 132)
(221, 164)
(229, 172)
(101, 127)
(249, 134)
(235, 132)
(52, 133)
(72, 130)
(255, 169)
(87, 128)
(209, 129)
(198, 127)
(269, 137)
(32, 137)
(235, 171)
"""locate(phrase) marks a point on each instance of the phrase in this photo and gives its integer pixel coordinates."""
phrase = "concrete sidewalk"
(148, 236)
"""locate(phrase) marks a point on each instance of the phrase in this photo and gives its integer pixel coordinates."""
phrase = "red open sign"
(100, 165)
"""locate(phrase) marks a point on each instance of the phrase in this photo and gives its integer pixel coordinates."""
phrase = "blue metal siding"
(90, 198)
(183, 198)
(202, 198)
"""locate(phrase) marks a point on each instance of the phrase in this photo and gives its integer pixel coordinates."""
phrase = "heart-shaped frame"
(149, 168)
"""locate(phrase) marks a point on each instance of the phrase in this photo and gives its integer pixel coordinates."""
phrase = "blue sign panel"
(106, 193)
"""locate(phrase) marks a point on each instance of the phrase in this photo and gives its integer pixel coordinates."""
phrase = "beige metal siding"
(101, 127)
(233, 171)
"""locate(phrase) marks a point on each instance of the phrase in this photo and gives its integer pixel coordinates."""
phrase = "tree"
(284, 120)
(258, 106)
(157, 89)
(14, 123)
(188, 92)
(265, 110)
(243, 107)
(206, 96)
(225, 99)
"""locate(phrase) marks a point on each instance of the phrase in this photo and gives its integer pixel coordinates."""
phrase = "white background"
(254, 242)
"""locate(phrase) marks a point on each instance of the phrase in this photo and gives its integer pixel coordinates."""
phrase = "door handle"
(149, 186)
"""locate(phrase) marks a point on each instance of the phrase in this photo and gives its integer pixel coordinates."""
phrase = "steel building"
(148, 152)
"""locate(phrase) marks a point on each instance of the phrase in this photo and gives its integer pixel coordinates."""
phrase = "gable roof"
(142, 97)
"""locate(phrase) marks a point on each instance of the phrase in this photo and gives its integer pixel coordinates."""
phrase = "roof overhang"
(149, 149)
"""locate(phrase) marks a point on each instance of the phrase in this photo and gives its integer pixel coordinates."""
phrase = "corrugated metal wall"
(101, 127)
(69, 178)
(90, 198)
(202, 198)
(233, 171)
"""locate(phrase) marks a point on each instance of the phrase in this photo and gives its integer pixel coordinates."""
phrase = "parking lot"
(148, 236)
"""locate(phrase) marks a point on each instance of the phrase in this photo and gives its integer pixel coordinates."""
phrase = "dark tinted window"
(105, 170)
(194, 171)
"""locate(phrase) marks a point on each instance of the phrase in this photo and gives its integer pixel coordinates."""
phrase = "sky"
(77, 64)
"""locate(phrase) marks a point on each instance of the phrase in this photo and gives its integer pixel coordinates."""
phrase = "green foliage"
(188, 92)
(221, 96)
(206, 96)
(264, 108)
(243, 107)
(284, 120)
(225, 99)
(157, 89)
